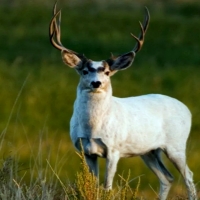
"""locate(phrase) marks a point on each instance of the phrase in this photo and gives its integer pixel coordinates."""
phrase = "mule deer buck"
(112, 127)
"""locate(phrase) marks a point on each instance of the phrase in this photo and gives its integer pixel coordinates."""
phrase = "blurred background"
(37, 90)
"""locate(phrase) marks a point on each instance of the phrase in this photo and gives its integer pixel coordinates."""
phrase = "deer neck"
(92, 110)
(95, 101)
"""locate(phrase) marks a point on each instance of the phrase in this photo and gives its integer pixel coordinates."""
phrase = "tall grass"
(85, 185)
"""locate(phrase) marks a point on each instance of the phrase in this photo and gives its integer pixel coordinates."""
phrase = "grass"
(37, 90)
(85, 187)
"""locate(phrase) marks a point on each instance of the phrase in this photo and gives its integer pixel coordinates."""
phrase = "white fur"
(143, 126)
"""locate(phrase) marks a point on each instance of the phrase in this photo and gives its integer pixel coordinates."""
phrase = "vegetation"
(37, 91)
(86, 186)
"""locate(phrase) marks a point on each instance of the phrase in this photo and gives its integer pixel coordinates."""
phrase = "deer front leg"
(111, 167)
(92, 162)
(84, 144)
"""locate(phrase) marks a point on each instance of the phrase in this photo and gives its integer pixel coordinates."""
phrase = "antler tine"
(57, 25)
(54, 31)
(143, 27)
(52, 23)
(54, 8)
(57, 28)
(147, 19)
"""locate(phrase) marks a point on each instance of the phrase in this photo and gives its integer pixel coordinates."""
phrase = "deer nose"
(95, 84)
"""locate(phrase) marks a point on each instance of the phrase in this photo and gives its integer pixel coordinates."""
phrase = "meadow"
(37, 90)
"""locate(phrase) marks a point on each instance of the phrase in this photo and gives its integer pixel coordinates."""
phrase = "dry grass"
(85, 187)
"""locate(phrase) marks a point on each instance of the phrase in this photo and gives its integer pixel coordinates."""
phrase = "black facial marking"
(100, 69)
(91, 69)
(88, 66)
(85, 72)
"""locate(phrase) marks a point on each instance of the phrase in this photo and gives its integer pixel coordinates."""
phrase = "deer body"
(132, 126)
(112, 127)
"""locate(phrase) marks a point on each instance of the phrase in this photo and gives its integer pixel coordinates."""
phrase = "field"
(37, 90)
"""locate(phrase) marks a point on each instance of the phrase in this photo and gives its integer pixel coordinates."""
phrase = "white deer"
(112, 127)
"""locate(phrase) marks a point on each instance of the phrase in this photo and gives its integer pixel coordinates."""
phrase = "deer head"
(95, 76)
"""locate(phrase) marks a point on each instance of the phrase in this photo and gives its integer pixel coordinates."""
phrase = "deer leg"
(91, 159)
(168, 175)
(152, 162)
(111, 167)
(179, 160)
(92, 162)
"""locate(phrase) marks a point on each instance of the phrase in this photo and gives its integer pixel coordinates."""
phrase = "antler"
(54, 33)
(143, 27)
(139, 39)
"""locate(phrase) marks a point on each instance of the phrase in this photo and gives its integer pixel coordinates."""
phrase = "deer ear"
(122, 62)
(70, 59)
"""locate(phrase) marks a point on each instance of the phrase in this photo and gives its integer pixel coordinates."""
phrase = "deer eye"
(107, 73)
(85, 72)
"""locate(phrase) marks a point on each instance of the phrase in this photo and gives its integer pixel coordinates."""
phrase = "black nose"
(96, 84)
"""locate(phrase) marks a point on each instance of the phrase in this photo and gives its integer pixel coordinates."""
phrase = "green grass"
(37, 91)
